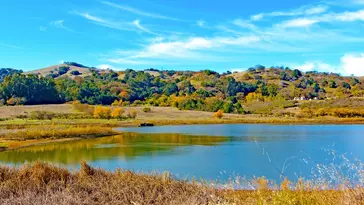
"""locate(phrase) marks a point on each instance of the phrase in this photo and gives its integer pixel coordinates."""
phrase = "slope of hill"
(257, 90)
(83, 71)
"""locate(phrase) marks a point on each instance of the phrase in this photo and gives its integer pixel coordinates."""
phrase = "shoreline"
(23, 125)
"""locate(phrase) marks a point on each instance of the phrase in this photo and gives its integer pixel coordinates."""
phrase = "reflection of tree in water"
(127, 145)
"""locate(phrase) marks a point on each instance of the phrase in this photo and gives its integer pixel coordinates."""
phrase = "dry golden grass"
(13, 111)
(41, 183)
(158, 116)
(46, 184)
(57, 132)
(45, 71)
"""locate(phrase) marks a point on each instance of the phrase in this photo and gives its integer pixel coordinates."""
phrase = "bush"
(102, 112)
(219, 114)
(132, 114)
(88, 109)
(75, 72)
(15, 101)
(42, 115)
(117, 113)
(63, 70)
(117, 103)
(147, 109)
(137, 103)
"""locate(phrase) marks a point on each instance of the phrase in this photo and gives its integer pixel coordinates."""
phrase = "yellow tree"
(117, 113)
(102, 112)
(219, 114)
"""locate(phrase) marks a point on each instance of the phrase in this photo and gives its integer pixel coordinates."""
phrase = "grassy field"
(42, 183)
(162, 116)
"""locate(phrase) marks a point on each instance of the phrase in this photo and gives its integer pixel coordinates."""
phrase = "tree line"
(204, 90)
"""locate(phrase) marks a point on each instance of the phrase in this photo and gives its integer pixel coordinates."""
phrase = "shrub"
(15, 101)
(117, 113)
(41, 115)
(88, 109)
(117, 103)
(147, 109)
(137, 103)
(75, 72)
(219, 114)
(132, 114)
(102, 112)
(63, 70)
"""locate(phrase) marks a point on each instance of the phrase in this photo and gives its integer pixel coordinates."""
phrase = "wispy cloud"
(43, 28)
(119, 25)
(137, 24)
(201, 23)
(138, 12)
(326, 18)
(297, 12)
(244, 24)
(60, 24)
(10, 46)
(185, 49)
(302, 22)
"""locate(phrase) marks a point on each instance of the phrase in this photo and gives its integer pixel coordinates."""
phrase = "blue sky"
(195, 35)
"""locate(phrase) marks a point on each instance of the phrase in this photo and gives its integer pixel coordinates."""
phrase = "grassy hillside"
(259, 90)
(53, 69)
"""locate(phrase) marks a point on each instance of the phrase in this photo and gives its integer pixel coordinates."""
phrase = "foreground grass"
(42, 183)
(46, 184)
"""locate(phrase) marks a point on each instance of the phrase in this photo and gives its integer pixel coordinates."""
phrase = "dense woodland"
(257, 90)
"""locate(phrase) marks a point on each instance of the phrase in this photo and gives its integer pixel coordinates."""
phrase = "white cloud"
(107, 66)
(60, 24)
(237, 69)
(315, 66)
(138, 12)
(142, 28)
(125, 61)
(298, 23)
(329, 18)
(123, 26)
(257, 17)
(244, 24)
(43, 28)
(350, 64)
(200, 23)
(312, 10)
(349, 16)
(353, 64)
(92, 18)
(9, 45)
(316, 10)
(194, 48)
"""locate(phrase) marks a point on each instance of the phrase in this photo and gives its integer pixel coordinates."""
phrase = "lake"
(213, 152)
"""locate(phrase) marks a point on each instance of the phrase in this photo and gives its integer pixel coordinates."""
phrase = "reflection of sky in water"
(246, 150)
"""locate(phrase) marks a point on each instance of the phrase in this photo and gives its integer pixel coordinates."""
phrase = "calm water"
(209, 151)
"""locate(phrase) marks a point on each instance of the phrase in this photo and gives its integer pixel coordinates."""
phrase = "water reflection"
(126, 146)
